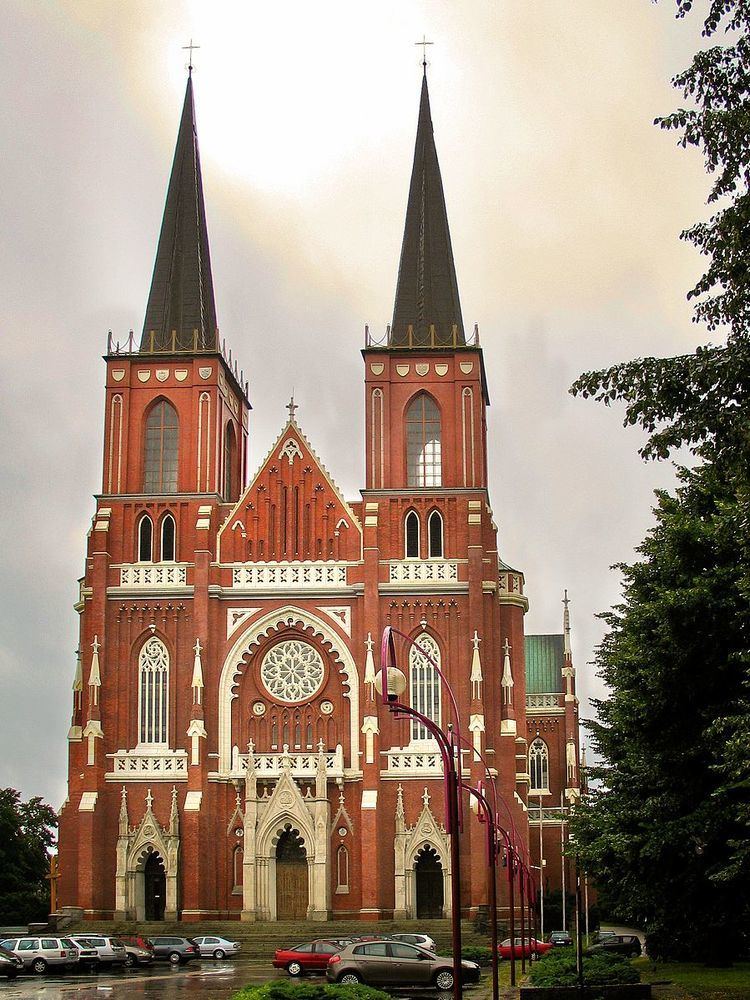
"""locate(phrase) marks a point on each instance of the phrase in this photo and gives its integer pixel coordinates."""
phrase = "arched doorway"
(154, 887)
(291, 876)
(428, 875)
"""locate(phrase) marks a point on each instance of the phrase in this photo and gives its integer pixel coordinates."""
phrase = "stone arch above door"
(135, 845)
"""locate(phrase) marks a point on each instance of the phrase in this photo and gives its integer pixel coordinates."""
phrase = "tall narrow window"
(342, 869)
(435, 532)
(167, 539)
(238, 857)
(423, 468)
(153, 669)
(230, 463)
(160, 461)
(424, 684)
(538, 767)
(145, 539)
(411, 531)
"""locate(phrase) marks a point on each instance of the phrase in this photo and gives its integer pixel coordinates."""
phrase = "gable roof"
(545, 658)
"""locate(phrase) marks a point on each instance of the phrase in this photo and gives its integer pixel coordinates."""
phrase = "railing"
(432, 571)
(302, 764)
(289, 575)
(414, 763)
(135, 765)
(550, 814)
(424, 337)
(148, 576)
(542, 701)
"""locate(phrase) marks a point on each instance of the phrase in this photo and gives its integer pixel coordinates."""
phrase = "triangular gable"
(292, 511)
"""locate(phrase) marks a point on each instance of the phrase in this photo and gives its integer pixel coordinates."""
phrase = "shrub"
(601, 969)
(283, 989)
(482, 956)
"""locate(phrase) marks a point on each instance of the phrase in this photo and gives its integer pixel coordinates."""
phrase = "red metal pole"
(523, 920)
(512, 904)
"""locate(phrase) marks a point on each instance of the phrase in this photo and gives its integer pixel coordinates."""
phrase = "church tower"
(430, 547)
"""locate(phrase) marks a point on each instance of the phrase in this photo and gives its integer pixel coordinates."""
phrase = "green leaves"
(26, 834)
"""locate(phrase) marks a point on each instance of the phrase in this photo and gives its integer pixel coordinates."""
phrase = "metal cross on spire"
(291, 406)
(424, 43)
(190, 57)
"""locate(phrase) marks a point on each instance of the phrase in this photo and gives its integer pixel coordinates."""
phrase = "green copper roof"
(544, 663)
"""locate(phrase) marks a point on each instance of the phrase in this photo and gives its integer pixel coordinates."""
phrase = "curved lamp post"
(392, 684)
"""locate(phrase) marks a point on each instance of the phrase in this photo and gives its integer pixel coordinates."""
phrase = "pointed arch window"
(538, 767)
(145, 539)
(423, 442)
(161, 445)
(230, 463)
(168, 539)
(424, 684)
(238, 857)
(435, 534)
(153, 683)
(411, 535)
(342, 869)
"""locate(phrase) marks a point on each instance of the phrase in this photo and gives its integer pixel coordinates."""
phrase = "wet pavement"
(206, 980)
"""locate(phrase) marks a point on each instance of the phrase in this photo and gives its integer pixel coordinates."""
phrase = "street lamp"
(392, 684)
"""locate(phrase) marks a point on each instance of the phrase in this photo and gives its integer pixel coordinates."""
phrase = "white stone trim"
(303, 575)
(432, 571)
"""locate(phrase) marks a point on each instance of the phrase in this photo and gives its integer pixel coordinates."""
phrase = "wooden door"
(291, 890)
(429, 885)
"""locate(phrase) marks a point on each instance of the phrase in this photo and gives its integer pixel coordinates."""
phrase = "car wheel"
(294, 969)
(175, 957)
(39, 966)
(219, 954)
(444, 980)
(350, 979)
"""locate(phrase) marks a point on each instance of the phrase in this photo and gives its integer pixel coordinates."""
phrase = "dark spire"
(181, 300)
(427, 290)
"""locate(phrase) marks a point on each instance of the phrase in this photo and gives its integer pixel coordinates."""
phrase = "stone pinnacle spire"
(427, 311)
(181, 313)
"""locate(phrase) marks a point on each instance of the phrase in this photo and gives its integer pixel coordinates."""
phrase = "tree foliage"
(667, 833)
(26, 834)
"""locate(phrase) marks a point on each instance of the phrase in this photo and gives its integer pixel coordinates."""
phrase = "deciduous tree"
(26, 834)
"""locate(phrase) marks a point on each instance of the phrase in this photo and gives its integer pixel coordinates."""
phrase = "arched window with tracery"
(160, 452)
(538, 767)
(423, 438)
(342, 869)
(411, 535)
(424, 684)
(230, 463)
(167, 539)
(145, 539)
(153, 700)
(435, 535)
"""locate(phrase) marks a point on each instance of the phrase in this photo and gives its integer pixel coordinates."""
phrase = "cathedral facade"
(229, 755)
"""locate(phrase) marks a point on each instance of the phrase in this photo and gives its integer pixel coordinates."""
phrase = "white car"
(216, 947)
(38, 953)
(109, 950)
(421, 940)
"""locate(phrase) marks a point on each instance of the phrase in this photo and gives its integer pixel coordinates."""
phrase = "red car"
(530, 947)
(310, 957)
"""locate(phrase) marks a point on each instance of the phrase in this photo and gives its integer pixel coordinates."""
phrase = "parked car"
(216, 947)
(109, 950)
(396, 963)
(420, 940)
(312, 956)
(38, 953)
(177, 950)
(620, 944)
(138, 954)
(531, 946)
(558, 938)
(87, 957)
(10, 964)
(603, 936)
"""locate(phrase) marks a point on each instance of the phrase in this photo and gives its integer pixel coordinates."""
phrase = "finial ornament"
(424, 43)
(292, 406)
(190, 48)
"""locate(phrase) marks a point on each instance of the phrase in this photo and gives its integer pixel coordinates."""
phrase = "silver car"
(109, 950)
(420, 940)
(216, 947)
(39, 953)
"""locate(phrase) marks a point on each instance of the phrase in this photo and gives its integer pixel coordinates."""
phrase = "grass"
(690, 981)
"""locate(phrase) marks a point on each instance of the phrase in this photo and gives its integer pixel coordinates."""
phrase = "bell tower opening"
(428, 875)
(292, 892)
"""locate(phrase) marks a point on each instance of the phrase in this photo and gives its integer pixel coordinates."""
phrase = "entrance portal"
(155, 887)
(428, 873)
(291, 877)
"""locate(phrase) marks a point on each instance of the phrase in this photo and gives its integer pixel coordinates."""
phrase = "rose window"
(292, 670)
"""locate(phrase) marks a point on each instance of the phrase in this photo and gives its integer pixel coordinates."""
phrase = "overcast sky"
(565, 206)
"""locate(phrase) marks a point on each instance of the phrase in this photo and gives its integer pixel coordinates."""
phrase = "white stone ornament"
(292, 671)
(205, 372)
(402, 370)
(162, 374)
(118, 374)
(259, 709)
(421, 368)
(441, 370)
(144, 376)
(467, 367)
(181, 374)
(378, 368)
(326, 707)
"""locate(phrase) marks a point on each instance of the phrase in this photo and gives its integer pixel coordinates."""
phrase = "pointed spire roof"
(181, 300)
(427, 290)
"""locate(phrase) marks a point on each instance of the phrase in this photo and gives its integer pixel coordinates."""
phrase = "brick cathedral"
(228, 753)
